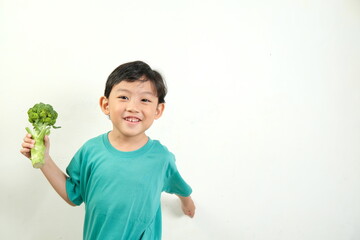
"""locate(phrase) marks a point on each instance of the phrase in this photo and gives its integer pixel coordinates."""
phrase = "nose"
(132, 106)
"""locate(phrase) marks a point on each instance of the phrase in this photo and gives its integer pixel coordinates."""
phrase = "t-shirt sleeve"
(73, 187)
(174, 183)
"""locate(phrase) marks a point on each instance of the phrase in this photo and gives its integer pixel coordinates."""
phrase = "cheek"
(115, 110)
(151, 113)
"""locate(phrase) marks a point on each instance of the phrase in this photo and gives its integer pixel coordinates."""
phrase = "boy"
(120, 175)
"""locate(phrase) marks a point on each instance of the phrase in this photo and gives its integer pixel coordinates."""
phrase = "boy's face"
(132, 108)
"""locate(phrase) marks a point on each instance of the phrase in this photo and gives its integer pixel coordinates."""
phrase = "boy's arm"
(52, 172)
(187, 205)
(56, 178)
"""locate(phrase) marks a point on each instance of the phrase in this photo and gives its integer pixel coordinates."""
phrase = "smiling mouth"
(132, 119)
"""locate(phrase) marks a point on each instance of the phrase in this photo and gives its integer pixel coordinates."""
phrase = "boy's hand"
(188, 206)
(28, 144)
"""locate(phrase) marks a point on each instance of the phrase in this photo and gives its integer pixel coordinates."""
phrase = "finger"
(28, 135)
(28, 139)
(190, 214)
(187, 212)
(27, 145)
(25, 151)
(47, 141)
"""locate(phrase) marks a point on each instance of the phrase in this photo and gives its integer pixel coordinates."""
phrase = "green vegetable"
(42, 117)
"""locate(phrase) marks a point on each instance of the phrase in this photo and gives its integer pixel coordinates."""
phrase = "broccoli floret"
(42, 117)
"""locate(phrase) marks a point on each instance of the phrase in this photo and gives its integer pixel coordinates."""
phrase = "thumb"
(47, 143)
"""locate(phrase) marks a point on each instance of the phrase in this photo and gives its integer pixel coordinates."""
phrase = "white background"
(263, 110)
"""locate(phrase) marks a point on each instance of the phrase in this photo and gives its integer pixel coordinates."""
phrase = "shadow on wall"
(171, 206)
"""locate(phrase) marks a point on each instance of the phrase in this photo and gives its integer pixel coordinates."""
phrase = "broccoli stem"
(38, 153)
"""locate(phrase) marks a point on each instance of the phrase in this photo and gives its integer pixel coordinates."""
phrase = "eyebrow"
(125, 90)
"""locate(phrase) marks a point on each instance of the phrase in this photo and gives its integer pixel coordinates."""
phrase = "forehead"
(141, 87)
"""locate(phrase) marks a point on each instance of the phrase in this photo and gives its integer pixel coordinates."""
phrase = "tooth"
(132, 119)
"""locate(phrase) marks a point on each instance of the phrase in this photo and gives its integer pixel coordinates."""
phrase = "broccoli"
(42, 117)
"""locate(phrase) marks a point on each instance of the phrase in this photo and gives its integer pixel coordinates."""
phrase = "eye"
(123, 98)
(145, 100)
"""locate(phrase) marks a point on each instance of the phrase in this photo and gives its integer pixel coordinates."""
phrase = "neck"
(127, 144)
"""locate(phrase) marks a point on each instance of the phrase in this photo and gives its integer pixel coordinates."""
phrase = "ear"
(159, 110)
(104, 105)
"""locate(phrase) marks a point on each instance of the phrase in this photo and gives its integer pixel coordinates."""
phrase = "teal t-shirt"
(121, 190)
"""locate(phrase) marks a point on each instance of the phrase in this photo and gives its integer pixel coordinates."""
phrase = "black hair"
(136, 71)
